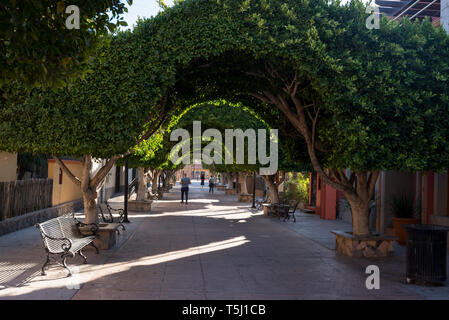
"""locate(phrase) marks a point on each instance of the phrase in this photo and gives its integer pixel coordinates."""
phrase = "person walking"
(202, 180)
(211, 184)
(185, 187)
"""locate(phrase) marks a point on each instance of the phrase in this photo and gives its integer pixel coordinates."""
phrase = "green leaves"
(383, 94)
(36, 47)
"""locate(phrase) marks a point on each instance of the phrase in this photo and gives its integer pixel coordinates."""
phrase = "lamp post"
(125, 206)
(254, 190)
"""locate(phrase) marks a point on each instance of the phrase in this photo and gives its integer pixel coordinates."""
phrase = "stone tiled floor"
(213, 248)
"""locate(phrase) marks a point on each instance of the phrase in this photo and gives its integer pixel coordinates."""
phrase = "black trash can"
(426, 254)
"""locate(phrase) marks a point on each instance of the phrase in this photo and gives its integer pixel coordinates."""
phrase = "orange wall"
(67, 190)
(8, 166)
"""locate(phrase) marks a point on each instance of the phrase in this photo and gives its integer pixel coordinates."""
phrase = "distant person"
(202, 180)
(185, 187)
(211, 184)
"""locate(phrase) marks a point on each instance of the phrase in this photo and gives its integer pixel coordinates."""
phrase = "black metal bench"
(286, 209)
(105, 213)
(63, 238)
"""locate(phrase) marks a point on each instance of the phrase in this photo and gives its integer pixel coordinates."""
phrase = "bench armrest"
(93, 228)
(120, 211)
(65, 246)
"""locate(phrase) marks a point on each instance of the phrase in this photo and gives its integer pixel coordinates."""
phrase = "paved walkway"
(212, 248)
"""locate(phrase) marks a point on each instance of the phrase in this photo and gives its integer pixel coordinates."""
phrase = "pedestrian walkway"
(212, 248)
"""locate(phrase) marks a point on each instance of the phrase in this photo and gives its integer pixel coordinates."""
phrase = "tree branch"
(101, 174)
(372, 182)
(64, 168)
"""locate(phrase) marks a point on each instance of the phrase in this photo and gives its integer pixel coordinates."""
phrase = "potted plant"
(402, 209)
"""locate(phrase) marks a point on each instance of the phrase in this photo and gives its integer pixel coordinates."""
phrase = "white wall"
(444, 15)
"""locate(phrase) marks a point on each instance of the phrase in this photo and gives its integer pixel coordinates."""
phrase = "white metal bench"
(63, 238)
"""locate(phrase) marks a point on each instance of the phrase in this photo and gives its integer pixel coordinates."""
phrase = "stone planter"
(139, 205)
(266, 208)
(106, 236)
(245, 197)
(231, 191)
(375, 246)
(400, 231)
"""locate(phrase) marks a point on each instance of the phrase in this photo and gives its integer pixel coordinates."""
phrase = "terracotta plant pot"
(400, 231)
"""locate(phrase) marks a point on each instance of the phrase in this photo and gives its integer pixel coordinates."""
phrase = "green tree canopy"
(367, 100)
(36, 47)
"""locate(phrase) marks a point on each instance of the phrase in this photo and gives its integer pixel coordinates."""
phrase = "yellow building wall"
(8, 166)
(67, 190)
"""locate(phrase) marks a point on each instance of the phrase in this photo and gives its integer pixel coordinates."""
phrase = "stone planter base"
(378, 245)
(139, 205)
(231, 191)
(266, 208)
(221, 188)
(106, 236)
(245, 197)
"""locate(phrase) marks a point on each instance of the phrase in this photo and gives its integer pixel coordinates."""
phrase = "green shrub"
(297, 186)
(402, 206)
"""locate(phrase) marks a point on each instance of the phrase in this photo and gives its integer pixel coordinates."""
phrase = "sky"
(149, 8)
(142, 9)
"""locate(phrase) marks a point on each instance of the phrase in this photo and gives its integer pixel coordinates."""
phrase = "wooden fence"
(23, 196)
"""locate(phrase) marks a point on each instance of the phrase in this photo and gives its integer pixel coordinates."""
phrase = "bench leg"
(45, 264)
(93, 245)
(83, 256)
(64, 263)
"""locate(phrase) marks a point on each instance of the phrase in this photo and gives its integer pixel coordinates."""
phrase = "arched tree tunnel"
(338, 92)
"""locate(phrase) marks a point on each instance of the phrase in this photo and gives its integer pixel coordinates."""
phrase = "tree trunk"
(360, 216)
(224, 178)
(244, 189)
(360, 202)
(272, 188)
(164, 179)
(154, 181)
(142, 190)
(89, 192)
(90, 206)
(298, 112)
(88, 184)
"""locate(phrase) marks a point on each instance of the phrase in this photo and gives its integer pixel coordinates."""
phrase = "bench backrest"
(61, 227)
(104, 213)
(293, 204)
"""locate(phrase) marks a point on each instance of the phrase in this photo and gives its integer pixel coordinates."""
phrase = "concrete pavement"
(212, 248)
